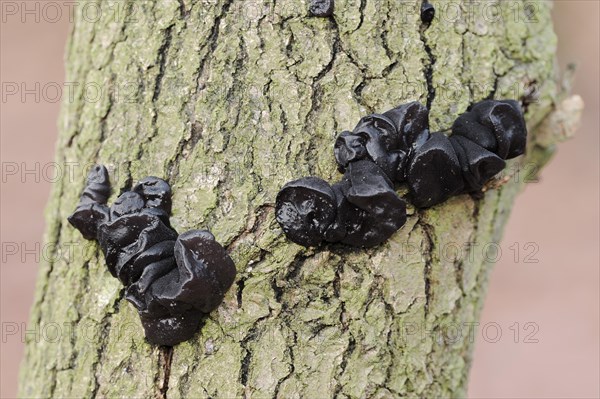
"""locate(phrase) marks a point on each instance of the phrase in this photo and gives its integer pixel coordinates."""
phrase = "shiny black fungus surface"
(321, 8)
(362, 209)
(427, 12)
(374, 211)
(172, 280)
(305, 208)
(434, 174)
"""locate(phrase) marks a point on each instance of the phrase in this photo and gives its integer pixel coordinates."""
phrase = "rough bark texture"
(228, 101)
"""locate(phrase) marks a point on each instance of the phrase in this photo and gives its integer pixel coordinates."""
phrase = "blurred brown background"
(547, 312)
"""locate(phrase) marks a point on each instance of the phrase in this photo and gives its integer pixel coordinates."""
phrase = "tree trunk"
(230, 100)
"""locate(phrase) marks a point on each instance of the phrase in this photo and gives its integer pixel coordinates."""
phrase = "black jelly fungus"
(92, 210)
(478, 165)
(467, 126)
(434, 173)
(172, 280)
(337, 230)
(427, 12)
(156, 193)
(363, 209)
(412, 123)
(348, 148)
(380, 210)
(305, 208)
(381, 142)
(506, 121)
(321, 8)
(128, 202)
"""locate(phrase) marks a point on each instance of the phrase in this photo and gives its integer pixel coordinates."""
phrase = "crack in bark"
(337, 294)
(361, 12)
(211, 45)
(290, 276)
(458, 273)
(315, 100)
(389, 344)
(388, 52)
(182, 9)
(290, 351)
(343, 364)
(240, 291)
(235, 87)
(162, 61)
(428, 66)
(245, 367)
(429, 242)
(165, 359)
(185, 146)
(257, 218)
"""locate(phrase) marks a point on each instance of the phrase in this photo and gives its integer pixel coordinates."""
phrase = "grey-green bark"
(228, 101)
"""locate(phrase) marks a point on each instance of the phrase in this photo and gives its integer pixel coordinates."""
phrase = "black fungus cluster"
(363, 209)
(172, 280)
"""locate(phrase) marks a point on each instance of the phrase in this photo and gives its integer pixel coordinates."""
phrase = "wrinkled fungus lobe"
(363, 209)
(172, 280)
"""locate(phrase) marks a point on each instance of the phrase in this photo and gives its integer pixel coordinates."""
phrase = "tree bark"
(230, 100)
